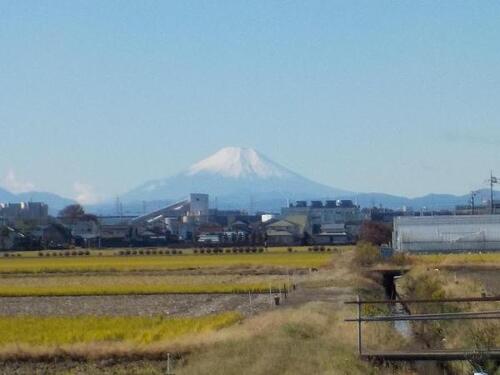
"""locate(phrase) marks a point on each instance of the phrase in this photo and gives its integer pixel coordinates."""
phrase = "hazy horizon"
(99, 97)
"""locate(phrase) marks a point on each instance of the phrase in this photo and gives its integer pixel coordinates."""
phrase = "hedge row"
(64, 253)
(320, 248)
(234, 250)
(148, 252)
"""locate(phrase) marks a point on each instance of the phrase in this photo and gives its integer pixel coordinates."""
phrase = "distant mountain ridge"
(54, 201)
(242, 178)
(234, 172)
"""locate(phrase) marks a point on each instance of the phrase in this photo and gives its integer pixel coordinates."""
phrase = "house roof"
(276, 233)
(299, 220)
(281, 223)
(332, 234)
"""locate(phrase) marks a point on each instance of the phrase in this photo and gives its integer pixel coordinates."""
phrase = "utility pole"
(472, 200)
(492, 180)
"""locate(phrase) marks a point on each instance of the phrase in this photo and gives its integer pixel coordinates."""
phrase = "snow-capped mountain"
(239, 162)
(235, 176)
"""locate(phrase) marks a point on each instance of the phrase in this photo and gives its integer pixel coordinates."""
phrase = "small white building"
(446, 233)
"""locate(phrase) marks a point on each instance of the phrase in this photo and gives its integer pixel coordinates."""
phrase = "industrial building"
(447, 233)
(330, 222)
(24, 211)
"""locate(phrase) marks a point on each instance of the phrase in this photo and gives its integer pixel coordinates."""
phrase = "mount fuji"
(236, 176)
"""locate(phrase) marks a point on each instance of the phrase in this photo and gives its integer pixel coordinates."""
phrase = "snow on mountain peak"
(237, 162)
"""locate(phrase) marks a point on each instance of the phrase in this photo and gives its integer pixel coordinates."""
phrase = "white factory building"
(447, 233)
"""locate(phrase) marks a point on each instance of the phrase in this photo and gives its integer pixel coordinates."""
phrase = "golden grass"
(147, 263)
(476, 259)
(118, 284)
(56, 331)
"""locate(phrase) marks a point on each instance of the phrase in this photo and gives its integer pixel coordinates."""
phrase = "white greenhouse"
(446, 233)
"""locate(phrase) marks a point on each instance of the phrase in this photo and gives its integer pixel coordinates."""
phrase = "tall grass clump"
(366, 254)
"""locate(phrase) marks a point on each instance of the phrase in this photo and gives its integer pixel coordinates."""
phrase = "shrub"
(195, 251)
(179, 252)
(87, 252)
(209, 251)
(167, 252)
(309, 249)
(40, 254)
(202, 251)
(290, 249)
(328, 249)
(174, 252)
(247, 250)
(160, 252)
(254, 249)
(74, 253)
(322, 248)
(261, 250)
(241, 250)
(121, 252)
(141, 252)
(228, 251)
(154, 252)
(80, 253)
(127, 252)
(148, 252)
(6, 255)
(366, 254)
(134, 252)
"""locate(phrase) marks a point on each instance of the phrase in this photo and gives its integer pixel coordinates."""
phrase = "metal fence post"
(360, 349)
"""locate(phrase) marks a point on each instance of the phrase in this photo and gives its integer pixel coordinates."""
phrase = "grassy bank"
(458, 260)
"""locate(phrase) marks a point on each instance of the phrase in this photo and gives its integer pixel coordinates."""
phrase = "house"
(52, 236)
(86, 231)
(332, 234)
(209, 238)
(280, 237)
(116, 230)
(240, 226)
(287, 231)
(10, 238)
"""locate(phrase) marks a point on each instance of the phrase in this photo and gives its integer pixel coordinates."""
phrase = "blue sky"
(399, 97)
